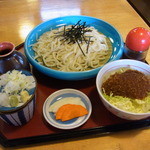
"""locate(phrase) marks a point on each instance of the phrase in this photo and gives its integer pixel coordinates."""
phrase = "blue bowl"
(18, 116)
(100, 25)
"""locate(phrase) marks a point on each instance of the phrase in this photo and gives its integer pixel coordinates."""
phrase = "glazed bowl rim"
(1, 56)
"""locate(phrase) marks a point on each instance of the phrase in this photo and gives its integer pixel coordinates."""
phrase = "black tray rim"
(103, 130)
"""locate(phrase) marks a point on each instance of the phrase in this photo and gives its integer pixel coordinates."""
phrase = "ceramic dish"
(102, 26)
(20, 115)
(70, 124)
(105, 72)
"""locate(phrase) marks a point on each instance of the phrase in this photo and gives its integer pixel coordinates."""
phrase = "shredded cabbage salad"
(14, 87)
(130, 105)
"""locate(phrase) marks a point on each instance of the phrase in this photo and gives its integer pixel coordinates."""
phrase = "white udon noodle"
(53, 53)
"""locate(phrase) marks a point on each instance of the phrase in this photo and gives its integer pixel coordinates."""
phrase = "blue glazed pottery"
(100, 25)
(11, 59)
(20, 115)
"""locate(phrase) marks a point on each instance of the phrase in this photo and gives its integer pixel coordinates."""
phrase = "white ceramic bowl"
(104, 73)
(70, 124)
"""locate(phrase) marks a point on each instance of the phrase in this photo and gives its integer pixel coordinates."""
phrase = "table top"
(18, 18)
(142, 7)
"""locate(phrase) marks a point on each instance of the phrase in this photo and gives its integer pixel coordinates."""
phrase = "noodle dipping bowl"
(110, 69)
(105, 28)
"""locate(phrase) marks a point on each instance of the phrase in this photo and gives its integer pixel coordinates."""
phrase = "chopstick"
(19, 46)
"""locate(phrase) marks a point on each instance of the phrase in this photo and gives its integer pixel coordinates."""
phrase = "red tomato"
(138, 39)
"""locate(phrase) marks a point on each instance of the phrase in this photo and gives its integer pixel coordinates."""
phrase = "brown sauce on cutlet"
(131, 83)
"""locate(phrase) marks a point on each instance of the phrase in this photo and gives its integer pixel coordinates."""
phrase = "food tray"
(38, 130)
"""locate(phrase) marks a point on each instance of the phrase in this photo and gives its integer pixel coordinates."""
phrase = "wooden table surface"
(19, 17)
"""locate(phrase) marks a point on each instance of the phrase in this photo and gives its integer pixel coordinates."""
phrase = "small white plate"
(70, 124)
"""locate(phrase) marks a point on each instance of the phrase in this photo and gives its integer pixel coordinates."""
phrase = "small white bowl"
(70, 124)
(104, 73)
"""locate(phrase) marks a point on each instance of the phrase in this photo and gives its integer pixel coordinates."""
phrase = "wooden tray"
(38, 130)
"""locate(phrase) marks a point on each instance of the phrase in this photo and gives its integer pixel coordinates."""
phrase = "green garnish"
(13, 101)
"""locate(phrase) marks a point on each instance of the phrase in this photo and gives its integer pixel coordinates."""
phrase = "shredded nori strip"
(75, 34)
(88, 44)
